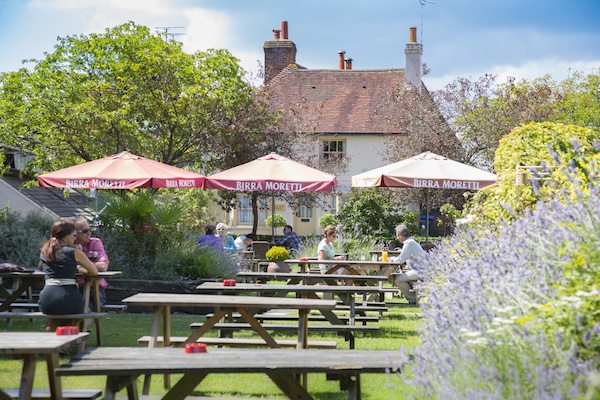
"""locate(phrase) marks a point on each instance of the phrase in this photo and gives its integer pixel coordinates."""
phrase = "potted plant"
(277, 255)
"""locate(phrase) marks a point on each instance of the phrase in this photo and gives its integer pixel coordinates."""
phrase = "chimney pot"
(341, 62)
(348, 63)
(284, 30)
(413, 34)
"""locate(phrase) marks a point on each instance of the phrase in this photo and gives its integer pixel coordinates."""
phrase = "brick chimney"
(341, 59)
(414, 59)
(279, 52)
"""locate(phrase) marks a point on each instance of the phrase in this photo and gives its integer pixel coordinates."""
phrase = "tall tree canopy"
(128, 89)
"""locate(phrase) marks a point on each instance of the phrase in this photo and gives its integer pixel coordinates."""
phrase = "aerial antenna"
(165, 31)
(423, 3)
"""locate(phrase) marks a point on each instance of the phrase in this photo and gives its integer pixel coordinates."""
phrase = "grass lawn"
(398, 328)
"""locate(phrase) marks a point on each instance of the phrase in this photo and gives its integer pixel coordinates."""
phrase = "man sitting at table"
(414, 256)
(93, 248)
(290, 241)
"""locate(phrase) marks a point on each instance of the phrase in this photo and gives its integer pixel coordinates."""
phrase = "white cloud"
(557, 69)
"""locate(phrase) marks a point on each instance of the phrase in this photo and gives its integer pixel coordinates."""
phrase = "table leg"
(258, 328)
(290, 386)
(10, 298)
(184, 386)
(354, 387)
(151, 343)
(27, 375)
(53, 380)
(167, 339)
(116, 383)
(206, 326)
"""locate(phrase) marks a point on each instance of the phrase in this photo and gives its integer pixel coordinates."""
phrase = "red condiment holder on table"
(195, 348)
(229, 282)
(303, 259)
(67, 330)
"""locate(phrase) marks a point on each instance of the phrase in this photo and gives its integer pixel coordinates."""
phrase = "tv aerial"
(166, 32)
(424, 3)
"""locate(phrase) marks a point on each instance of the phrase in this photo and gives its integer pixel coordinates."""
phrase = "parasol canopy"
(272, 173)
(122, 171)
(426, 170)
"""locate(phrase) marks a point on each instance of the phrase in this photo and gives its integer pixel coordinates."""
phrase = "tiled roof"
(347, 101)
(54, 200)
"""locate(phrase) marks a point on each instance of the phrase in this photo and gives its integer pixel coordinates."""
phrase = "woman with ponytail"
(61, 260)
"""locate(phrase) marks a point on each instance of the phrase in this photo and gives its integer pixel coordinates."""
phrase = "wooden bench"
(114, 307)
(242, 342)
(291, 317)
(231, 326)
(35, 306)
(68, 394)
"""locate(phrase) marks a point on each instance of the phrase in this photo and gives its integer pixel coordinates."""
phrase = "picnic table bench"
(346, 294)
(247, 306)
(30, 345)
(293, 278)
(122, 366)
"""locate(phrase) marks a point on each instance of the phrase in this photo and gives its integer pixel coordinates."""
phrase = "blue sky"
(521, 38)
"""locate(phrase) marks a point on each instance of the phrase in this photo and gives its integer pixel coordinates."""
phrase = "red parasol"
(122, 171)
(272, 173)
(426, 170)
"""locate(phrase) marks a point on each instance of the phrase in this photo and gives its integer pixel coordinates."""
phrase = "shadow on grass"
(236, 395)
(403, 317)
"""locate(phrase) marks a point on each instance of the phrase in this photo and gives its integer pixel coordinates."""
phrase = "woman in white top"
(325, 251)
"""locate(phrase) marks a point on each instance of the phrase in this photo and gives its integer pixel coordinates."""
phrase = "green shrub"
(374, 210)
(327, 219)
(193, 262)
(279, 221)
(277, 253)
(22, 237)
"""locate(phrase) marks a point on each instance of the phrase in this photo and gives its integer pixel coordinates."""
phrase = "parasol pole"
(273, 218)
(426, 215)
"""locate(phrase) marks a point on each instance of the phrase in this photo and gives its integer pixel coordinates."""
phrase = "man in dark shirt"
(290, 241)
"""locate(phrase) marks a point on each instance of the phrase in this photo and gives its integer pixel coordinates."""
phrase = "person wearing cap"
(228, 242)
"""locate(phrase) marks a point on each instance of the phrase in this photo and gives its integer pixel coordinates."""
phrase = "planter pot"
(278, 266)
(119, 289)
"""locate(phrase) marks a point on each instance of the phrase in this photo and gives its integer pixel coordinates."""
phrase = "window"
(244, 211)
(304, 212)
(333, 149)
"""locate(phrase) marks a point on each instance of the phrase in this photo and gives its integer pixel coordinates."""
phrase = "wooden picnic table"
(345, 293)
(25, 280)
(123, 365)
(246, 306)
(352, 267)
(294, 278)
(29, 345)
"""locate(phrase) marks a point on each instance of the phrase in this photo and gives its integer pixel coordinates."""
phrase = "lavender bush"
(513, 311)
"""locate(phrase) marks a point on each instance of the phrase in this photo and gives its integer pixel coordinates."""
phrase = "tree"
(375, 211)
(124, 89)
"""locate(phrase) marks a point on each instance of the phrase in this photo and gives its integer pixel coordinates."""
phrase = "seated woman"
(325, 250)
(228, 242)
(61, 260)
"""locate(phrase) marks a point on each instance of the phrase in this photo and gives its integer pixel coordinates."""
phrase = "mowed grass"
(398, 328)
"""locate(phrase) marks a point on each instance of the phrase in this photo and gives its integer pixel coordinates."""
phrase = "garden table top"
(122, 366)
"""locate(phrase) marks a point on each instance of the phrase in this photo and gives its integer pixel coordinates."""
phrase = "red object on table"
(229, 282)
(195, 348)
(303, 258)
(67, 330)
